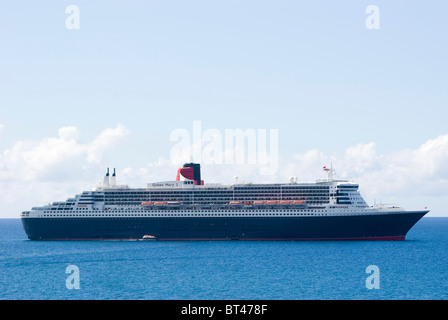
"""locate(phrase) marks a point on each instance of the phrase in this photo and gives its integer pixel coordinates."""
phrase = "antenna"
(331, 172)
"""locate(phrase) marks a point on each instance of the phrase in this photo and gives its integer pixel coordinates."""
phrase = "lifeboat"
(147, 203)
(173, 203)
(285, 202)
(159, 203)
(298, 202)
(235, 203)
(259, 203)
(272, 202)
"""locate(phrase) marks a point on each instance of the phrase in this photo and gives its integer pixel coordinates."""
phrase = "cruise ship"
(188, 209)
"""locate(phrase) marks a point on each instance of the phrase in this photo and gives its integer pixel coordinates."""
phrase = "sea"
(414, 269)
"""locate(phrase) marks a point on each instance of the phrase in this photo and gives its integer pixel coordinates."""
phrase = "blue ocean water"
(413, 269)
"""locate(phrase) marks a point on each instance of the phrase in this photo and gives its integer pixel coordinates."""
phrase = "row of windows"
(239, 214)
(222, 189)
(206, 193)
(215, 204)
(212, 199)
(114, 212)
(193, 213)
(227, 198)
(213, 194)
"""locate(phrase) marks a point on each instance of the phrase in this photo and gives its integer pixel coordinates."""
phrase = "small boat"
(147, 203)
(148, 237)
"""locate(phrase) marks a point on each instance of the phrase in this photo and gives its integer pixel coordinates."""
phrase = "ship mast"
(330, 172)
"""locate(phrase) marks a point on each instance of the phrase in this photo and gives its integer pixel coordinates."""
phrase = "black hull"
(387, 226)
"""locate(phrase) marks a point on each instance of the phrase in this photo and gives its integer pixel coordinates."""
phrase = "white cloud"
(409, 172)
(52, 169)
(107, 139)
(33, 172)
(56, 158)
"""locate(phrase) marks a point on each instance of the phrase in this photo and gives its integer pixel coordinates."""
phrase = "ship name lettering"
(163, 184)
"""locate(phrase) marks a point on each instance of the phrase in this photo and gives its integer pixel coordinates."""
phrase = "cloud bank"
(34, 172)
(58, 158)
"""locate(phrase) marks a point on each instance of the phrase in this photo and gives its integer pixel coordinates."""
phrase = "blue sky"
(310, 69)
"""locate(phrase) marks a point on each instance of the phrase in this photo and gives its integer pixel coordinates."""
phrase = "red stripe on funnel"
(187, 173)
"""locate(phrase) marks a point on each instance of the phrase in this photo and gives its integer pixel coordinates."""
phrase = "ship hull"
(377, 226)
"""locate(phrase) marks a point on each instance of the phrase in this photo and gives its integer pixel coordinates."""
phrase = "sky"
(327, 82)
